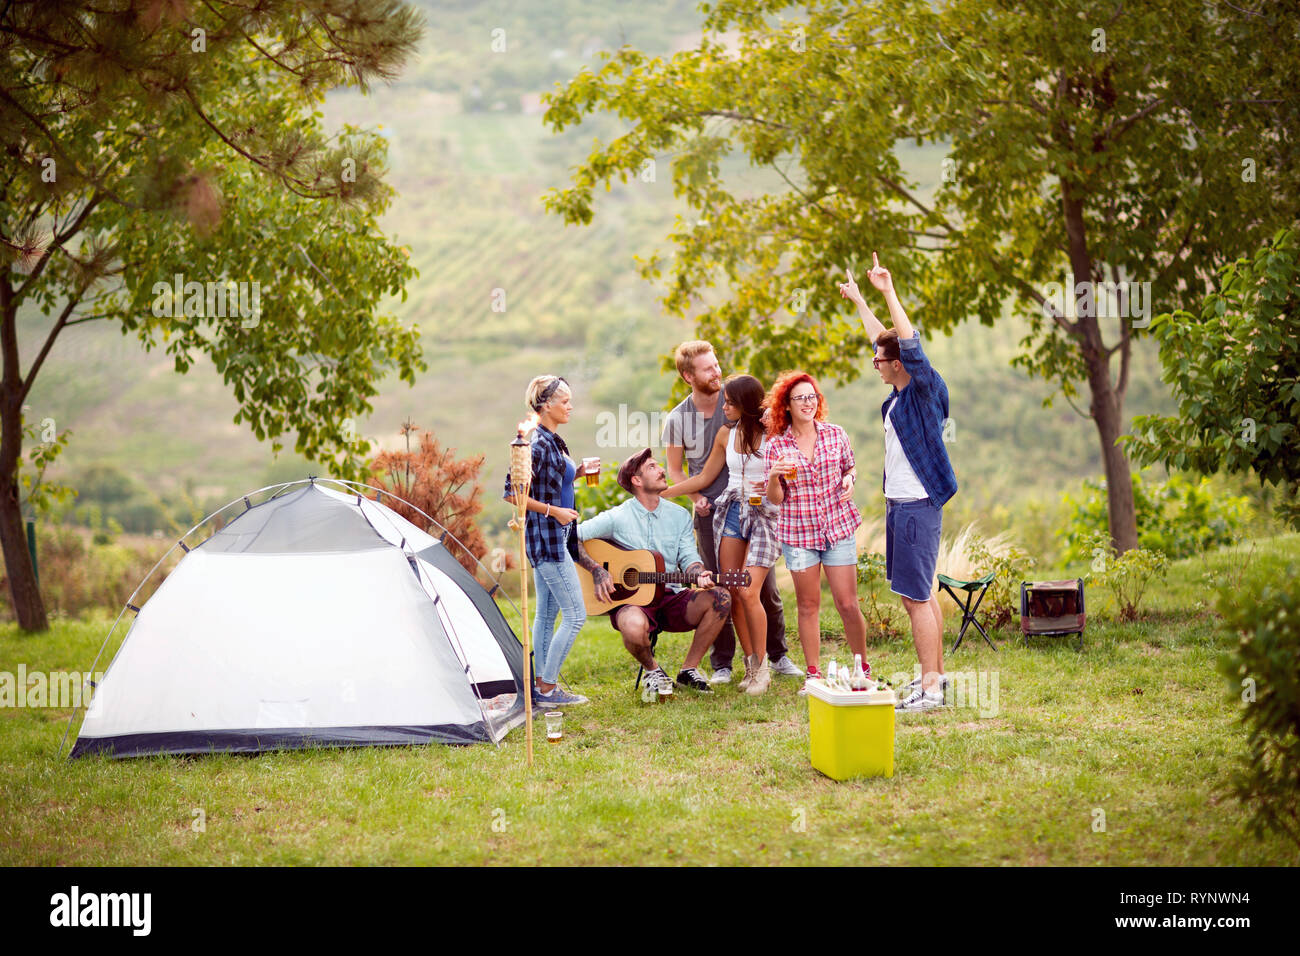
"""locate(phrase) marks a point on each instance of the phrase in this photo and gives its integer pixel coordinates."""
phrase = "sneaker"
(920, 700)
(657, 685)
(785, 667)
(813, 674)
(915, 684)
(692, 678)
(556, 698)
(721, 676)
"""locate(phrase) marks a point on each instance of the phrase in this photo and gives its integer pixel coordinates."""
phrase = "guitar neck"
(665, 577)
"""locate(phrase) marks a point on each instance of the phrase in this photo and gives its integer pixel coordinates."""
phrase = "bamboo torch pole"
(521, 475)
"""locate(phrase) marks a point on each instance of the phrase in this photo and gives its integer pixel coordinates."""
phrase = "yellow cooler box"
(851, 733)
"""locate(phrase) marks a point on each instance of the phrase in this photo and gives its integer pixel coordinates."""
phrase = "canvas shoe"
(657, 686)
(920, 700)
(721, 676)
(692, 678)
(915, 683)
(558, 697)
(785, 667)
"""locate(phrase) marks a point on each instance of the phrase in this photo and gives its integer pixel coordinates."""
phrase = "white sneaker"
(785, 667)
(920, 700)
(721, 676)
(656, 686)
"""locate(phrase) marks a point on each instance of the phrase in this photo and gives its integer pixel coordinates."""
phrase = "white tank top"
(744, 469)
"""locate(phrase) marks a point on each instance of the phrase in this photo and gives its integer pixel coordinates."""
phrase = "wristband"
(548, 509)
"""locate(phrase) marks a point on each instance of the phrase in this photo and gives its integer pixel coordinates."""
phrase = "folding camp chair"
(975, 591)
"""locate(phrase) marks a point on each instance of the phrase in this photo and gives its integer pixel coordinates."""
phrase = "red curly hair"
(778, 401)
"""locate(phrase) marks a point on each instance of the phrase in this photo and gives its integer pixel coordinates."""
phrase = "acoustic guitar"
(639, 576)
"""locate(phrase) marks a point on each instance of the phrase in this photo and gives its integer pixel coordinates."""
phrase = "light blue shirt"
(668, 529)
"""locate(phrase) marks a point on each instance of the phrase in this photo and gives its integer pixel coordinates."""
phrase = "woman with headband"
(551, 544)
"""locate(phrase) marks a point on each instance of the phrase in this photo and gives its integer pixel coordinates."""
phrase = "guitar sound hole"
(629, 578)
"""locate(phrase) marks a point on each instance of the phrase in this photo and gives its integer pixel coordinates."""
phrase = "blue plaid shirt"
(918, 421)
(546, 540)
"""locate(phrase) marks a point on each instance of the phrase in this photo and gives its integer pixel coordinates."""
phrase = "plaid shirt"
(546, 540)
(918, 420)
(812, 514)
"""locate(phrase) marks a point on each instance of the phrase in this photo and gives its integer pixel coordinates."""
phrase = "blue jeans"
(558, 592)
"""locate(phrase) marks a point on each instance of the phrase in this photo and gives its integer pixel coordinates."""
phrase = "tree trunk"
(1107, 403)
(1107, 413)
(23, 591)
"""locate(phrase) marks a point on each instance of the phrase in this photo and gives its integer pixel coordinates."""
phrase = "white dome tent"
(316, 617)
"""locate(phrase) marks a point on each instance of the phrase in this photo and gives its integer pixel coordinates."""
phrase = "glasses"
(877, 362)
(809, 399)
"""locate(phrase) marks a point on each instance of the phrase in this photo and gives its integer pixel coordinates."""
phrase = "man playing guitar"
(646, 521)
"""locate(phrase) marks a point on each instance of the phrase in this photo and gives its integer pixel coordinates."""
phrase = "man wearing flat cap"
(647, 522)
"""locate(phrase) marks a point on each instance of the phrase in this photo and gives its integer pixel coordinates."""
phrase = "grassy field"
(1136, 727)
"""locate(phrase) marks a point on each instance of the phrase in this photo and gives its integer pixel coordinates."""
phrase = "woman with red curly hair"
(811, 474)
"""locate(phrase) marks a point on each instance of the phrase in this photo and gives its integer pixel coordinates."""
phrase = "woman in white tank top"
(744, 523)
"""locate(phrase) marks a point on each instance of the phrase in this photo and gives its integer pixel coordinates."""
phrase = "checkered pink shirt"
(812, 514)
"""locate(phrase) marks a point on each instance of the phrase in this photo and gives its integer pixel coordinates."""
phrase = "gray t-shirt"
(685, 426)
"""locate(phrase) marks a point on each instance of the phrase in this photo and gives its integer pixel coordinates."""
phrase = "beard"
(709, 386)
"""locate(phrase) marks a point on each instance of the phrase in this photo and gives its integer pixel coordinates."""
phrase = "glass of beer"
(592, 467)
(756, 494)
(554, 726)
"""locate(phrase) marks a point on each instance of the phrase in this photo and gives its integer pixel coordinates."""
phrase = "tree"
(1235, 371)
(436, 483)
(1131, 146)
(165, 169)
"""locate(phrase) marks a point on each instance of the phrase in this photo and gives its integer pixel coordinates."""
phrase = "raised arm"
(712, 468)
(883, 281)
(870, 324)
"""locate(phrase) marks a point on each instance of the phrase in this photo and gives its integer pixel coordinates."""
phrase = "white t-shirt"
(900, 479)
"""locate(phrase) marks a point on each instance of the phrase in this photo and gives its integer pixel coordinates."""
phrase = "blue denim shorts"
(843, 551)
(731, 524)
(912, 531)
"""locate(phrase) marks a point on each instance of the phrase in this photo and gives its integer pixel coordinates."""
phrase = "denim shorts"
(912, 531)
(731, 525)
(841, 552)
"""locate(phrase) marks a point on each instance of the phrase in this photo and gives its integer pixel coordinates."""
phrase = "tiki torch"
(521, 476)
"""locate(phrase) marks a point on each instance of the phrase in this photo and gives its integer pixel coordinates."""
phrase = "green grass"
(1136, 725)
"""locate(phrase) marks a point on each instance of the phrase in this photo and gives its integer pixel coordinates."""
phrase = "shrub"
(1264, 616)
(78, 572)
(1127, 575)
(433, 480)
(871, 574)
(1179, 518)
(1011, 564)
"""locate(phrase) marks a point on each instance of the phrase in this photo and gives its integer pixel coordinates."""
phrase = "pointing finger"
(848, 273)
(875, 262)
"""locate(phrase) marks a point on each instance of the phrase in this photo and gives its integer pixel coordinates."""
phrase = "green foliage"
(45, 446)
(607, 493)
(1127, 576)
(1001, 605)
(1179, 517)
(83, 570)
(882, 622)
(1235, 371)
(1264, 617)
(799, 91)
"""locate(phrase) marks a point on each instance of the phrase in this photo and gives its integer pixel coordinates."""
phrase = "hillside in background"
(470, 157)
